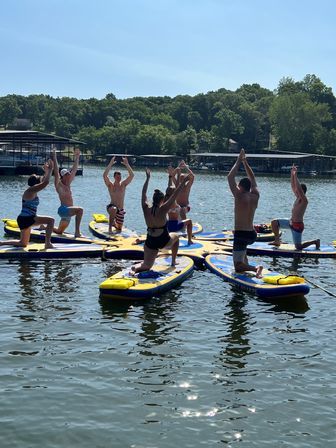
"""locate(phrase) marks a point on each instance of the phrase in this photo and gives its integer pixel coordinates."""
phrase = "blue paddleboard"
(222, 265)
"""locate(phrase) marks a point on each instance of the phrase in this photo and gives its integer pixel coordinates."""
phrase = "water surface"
(203, 365)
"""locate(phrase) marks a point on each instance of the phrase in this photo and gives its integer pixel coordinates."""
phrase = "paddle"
(321, 288)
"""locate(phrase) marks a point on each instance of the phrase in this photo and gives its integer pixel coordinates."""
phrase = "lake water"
(199, 366)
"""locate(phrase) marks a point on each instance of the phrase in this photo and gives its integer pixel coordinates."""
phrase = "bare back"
(246, 204)
(299, 209)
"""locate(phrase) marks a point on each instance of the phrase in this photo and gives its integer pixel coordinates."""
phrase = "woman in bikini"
(28, 217)
(175, 223)
(155, 216)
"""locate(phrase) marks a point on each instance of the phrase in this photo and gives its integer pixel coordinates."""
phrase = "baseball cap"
(64, 171)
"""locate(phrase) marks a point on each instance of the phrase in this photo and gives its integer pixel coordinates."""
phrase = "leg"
(112, 211)
(241, 263)
(188, 224)
(300, 246)
(119, 219)
(62, 226)
(149, 259)
(22, 242)
(78, 211)
(173, 244)
(276, 231)
(49, 222)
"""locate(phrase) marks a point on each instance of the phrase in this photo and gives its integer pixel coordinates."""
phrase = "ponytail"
(157, 198)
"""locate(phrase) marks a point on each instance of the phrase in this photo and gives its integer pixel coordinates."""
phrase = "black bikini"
(157, 242)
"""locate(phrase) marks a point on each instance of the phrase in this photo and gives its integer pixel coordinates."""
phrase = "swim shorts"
(241, 239)
(63, 212)
(295, 227)
(24, 222)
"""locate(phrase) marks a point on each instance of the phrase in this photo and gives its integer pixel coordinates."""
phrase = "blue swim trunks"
(175, 225)
(63, 212)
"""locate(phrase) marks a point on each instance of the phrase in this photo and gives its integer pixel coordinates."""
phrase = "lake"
(202, 365)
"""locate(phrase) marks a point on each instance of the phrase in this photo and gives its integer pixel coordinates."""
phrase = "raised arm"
(107, 170)
(231, 177)
(48, 169)
(296, 186)
(144, 203)
(166, 205)
(130, 176)
(250, 174)
(171, 176)
(183, 165)
(75, 164)
(57, 176)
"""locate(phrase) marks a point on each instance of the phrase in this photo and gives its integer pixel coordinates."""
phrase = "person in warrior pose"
(66, 210)
(28, 216)
(117, 190)
(175, 222)
(246, 197)
(155, 216)
(295, 223)
(175, 177)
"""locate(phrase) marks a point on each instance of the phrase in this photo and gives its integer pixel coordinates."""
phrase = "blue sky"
(88, 48)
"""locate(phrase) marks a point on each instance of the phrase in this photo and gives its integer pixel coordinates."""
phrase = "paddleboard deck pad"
(222, 265)
(144, 285)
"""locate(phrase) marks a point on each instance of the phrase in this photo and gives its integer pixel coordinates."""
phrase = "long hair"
(157, 198)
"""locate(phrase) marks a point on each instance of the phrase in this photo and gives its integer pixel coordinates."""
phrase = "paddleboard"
(228, 235)
(222, 265)
(37, 250)
(37, 234)
(100, 230)
(144, 285)
(288, 250)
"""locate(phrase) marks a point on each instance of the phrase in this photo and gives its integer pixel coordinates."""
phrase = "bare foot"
(318, 244)
(275, 243)
(259, 271)
(78, 235)
(49, 246)
(190, 243)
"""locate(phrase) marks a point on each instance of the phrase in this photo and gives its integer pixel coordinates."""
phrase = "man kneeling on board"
(295, 224)
(246, 197)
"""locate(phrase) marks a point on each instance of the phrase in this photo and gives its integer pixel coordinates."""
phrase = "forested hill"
(299, 116)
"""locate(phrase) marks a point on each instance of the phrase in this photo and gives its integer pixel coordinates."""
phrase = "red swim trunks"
(297, 226)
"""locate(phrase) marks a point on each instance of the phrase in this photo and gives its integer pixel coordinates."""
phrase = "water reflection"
(45, 286)
(236, 342)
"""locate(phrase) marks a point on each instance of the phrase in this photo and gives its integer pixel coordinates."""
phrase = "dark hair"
(304, 188)
(169, 191)
(116, 172)
(157, 198)
(33, 180)
(245, 183)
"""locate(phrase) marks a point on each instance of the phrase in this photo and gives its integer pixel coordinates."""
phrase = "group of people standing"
(166, 214)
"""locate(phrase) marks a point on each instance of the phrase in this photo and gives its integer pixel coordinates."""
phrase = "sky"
(90, 48)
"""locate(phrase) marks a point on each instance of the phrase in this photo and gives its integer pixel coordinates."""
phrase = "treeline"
(298, 116)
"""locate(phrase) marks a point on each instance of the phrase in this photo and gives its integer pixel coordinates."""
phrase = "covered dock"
(274, 162)
(24, 152)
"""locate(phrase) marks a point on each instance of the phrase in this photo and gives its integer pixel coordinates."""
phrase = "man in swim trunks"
(175, 177)
(246, 197)
(295, 224)
(63, 181)
(117, 190)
